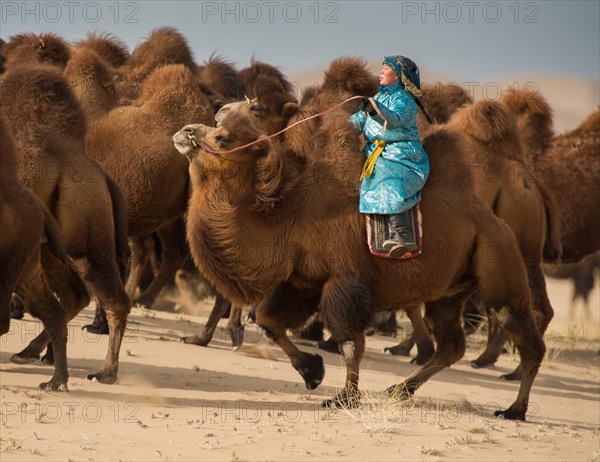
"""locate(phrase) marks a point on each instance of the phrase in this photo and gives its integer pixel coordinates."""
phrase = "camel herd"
(95, 196)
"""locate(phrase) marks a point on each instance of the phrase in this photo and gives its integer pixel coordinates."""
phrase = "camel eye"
(222, 139)
(257, 110)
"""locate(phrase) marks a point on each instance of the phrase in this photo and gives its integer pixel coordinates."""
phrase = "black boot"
(403, 239)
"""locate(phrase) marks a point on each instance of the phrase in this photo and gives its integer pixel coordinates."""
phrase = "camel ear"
(217, 104)
(289, 109)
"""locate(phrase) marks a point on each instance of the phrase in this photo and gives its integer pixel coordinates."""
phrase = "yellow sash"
(369, 164)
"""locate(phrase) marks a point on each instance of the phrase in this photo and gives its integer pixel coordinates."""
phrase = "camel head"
(270, 110)
(234, 131)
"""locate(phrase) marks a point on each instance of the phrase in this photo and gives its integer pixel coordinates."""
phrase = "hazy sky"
(471, 39)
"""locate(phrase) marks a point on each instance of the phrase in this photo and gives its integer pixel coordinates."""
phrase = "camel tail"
(119, 209)
(553, 242)
(53, 237)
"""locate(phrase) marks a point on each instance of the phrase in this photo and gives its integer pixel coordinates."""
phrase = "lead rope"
(200, 144)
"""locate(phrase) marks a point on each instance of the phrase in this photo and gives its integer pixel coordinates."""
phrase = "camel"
(27, 226)
(221, 78)
(257, 69)
(164, 46)
(582, 274)
(252, 222)
(153, 177)
(108, 47)
(570, 167)
(31, 49)
(49, 128)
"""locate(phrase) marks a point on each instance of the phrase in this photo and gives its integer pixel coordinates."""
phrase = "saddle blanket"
(378, 231)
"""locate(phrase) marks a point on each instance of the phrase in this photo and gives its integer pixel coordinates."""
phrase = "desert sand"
(182, 402)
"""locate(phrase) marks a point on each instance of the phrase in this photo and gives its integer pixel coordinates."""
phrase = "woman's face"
(387, 75)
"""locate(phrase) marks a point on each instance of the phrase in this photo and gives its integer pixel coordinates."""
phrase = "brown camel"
(153, 177)
(108, 47)
(221, 78)
(49, 128)
(252, 222)
(583, 275)
(505, 185)
(25, 222)
(440, 100)
(164, 46)
(569, 165)
(30, 49)
(257, 69)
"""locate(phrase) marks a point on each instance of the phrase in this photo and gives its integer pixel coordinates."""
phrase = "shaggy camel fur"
(31, 49)
(221, 78)
(251, 226)
(569, 165)
(440, 101)
(164, 46)
(153, 177)
(108, 47)
(257, 69)
(25, 222)
(50, 129)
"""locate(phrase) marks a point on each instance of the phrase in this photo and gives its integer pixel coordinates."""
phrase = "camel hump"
(591, 125)
(442, 100)
(488, 121)
(222, 78)
(349, 74)
(250, 74)
(31, 49)
(166, 78)
(91, 79)
(164, 46)
(110, 48)
(41, 96)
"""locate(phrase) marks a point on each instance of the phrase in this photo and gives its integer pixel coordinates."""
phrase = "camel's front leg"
(286, 309)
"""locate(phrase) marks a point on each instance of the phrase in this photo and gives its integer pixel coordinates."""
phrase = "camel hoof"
(18, 359)
(516, 375)
(511, 414)
(312, 370)
(399, 392)
(343, 400)
(481, 363)
(102, 377)
(398, 350)
(53, 385)
(237, 338)
(195, 340)
(98, 329)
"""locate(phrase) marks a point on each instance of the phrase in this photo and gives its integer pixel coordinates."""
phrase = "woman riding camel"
(397, 166)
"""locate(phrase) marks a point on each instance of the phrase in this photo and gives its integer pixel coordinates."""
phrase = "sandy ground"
(181, 402)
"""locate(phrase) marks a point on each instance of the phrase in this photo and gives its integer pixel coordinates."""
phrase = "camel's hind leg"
(37, 295)
(443, 316)
(73, 295)
(235, 328)
(102, 275)
(420, 336)
(543, 314)
(202, 339)
(173, 242)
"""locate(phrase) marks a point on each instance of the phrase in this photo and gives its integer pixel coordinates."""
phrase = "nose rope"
(200, 144)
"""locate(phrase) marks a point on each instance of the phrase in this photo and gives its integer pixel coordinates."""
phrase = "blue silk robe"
(403, 167)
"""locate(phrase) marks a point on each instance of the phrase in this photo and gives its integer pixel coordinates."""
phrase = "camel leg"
(235, 328)
(472, 315)
(104, 279)
(496, 340)
(286, 308)
(353, 352)
(141, 249)
(443, 316)
(37, 295)
(420, 336)
(17, 310)
(220, 307)
(173, 242)
(73, 296)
